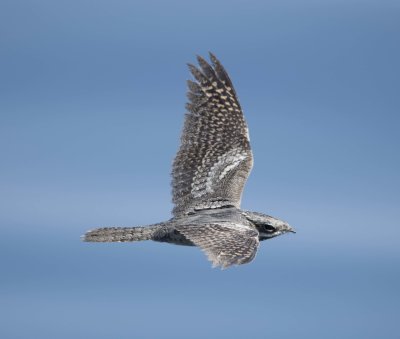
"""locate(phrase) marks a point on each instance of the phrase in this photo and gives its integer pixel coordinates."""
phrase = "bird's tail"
(121, 234)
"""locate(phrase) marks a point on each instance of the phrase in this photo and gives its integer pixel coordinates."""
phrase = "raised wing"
(224, 244)
(215, 158)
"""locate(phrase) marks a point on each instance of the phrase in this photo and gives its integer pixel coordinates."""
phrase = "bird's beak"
(291, 229)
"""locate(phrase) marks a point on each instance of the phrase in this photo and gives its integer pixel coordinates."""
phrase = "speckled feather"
(215, 158)
(225, 244)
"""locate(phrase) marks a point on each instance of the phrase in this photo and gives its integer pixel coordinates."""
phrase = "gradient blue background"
(92, 104)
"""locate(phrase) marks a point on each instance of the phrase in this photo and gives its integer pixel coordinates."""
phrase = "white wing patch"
(232, 160)
(205, 182)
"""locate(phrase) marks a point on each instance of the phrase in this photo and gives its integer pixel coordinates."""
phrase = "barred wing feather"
(215, 158)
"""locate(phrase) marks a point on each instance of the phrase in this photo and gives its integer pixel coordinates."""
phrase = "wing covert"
(224, 244)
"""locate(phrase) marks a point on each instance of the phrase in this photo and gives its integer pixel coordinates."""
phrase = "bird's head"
(268, 226)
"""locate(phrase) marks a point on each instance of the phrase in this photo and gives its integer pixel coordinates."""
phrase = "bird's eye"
(269, 228)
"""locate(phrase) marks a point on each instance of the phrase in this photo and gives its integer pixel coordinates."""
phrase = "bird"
(209, 173)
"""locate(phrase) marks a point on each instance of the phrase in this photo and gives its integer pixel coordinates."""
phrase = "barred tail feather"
(120, 234)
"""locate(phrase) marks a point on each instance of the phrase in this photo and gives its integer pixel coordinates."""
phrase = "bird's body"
(209, 173)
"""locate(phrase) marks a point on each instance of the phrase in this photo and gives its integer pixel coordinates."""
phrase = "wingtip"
(200, 59)
(213, 58)
(206, 67)
(193, 69)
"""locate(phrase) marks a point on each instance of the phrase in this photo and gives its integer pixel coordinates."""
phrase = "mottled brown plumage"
(215, 158)
(208, 176)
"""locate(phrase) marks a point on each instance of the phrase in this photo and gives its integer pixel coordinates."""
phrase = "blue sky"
(92, 100)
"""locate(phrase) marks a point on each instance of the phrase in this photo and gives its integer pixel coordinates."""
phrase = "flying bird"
(208, 176)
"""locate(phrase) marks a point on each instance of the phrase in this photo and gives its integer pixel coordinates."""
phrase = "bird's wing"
(215, 158)
(224, 244)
